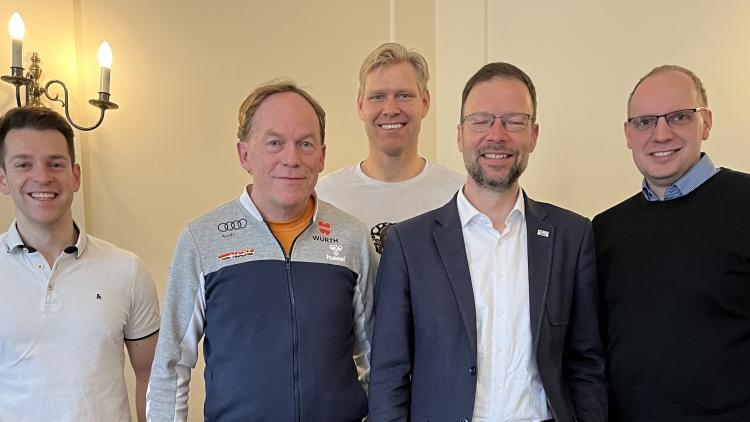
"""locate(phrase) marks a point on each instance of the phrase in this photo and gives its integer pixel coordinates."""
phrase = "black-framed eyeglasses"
(482, 122)
(675, 118)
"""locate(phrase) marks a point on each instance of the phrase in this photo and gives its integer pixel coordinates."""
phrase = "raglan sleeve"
(182, 326)
(363, 301)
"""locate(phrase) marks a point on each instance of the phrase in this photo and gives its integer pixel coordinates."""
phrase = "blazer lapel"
(540, 238)
(450, 244)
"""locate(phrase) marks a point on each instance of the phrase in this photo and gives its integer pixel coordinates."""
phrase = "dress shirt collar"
(467, 212)
(699, 173)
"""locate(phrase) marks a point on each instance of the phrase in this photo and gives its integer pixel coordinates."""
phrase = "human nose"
(290, 156)
(662, 130)
(42, 174)
(390, 107)
(497, 130)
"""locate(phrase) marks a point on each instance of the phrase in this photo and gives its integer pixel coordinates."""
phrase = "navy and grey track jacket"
(287, 338)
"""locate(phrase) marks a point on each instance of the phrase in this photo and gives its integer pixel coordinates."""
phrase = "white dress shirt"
(508, 383)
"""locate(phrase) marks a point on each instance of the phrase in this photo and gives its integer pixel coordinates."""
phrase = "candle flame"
(16, 28)
(105, 55)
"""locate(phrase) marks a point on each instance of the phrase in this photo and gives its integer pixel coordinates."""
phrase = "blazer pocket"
(559, 302)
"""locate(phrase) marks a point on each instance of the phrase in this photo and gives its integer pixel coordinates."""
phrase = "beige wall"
(179, 73)
(181, 68)
(49, 32)
(584, 57)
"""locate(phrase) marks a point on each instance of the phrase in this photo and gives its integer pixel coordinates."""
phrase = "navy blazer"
(424, 364)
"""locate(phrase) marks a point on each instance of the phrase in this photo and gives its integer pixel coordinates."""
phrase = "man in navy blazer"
(486, 308)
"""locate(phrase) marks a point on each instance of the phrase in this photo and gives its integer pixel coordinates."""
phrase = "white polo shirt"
(62, 329)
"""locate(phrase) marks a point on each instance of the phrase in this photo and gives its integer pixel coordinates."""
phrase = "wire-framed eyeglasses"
(482, 122)
(674, 118)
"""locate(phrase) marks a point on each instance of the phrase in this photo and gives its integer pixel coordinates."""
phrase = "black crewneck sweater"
(674, 281)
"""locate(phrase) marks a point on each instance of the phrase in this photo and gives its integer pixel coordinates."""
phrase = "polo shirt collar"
(81, 243)
(13, 241)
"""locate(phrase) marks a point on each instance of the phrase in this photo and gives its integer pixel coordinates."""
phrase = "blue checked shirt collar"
(699, 173)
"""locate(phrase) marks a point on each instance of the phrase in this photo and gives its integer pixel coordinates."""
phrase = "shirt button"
(497, 388)
(499, 276)
(473, 370)
(40, 267)
(464, 420)
(49, 287)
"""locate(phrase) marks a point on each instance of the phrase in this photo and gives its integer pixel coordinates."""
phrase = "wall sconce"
(33, 84)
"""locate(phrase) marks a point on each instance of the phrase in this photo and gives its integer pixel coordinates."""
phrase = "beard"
(500, 184)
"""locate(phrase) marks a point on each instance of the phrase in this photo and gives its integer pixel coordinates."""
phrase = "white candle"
(105, 61)
(104, 79)
(16, 29)
(17, 60)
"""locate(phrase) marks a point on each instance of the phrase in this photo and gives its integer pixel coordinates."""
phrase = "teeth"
(392, 126)
(663, 153)
(43, 196)
(496, 156)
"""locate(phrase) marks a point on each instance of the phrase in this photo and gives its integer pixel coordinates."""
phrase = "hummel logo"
(336, 249)
(98, 296)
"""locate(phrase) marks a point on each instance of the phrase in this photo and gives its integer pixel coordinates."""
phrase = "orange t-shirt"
(286, 232)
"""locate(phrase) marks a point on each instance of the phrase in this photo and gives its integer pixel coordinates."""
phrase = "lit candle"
(105, 61)
(16, 30)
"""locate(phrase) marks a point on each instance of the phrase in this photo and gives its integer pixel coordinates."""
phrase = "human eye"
(643, 122)
(274, 143)
(680, 117)
(479, 119)
(515, 122)
(480, 122)
(406, 96)
(22, 164)
(376, 97)
(57, 165)
(307, 145)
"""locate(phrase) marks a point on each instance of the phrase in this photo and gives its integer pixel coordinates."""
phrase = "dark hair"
(39, 118)
(499, 70)
(261, 93)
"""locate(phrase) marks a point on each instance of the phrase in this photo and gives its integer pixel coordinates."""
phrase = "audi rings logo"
(232, 225)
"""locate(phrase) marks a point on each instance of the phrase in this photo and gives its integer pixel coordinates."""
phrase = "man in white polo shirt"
(70, 300)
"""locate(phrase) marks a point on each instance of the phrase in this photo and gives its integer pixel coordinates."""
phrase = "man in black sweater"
(674, 266)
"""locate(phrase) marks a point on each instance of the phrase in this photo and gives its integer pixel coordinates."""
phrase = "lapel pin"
(543, 233)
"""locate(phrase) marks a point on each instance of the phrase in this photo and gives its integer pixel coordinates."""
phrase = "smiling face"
(664, 153)
(392, 109)
(39, 177)
(284, 153)
(495, 159)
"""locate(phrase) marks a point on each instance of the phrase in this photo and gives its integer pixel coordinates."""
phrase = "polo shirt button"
(473, 370)
(40, 267)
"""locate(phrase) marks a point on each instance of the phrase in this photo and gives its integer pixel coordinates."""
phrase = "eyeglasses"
(675, 118)
(482, 122)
